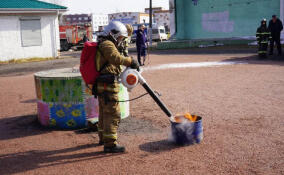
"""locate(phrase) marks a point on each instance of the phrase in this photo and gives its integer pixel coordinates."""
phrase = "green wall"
(222, 18)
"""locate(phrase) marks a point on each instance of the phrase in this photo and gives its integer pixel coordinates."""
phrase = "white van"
(159, 34)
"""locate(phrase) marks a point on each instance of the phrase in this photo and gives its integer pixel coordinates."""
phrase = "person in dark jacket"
(263, 36)
(141, 44)
(85, 38)
(275, 26)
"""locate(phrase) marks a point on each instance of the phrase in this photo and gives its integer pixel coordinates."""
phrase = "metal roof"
(28, 4)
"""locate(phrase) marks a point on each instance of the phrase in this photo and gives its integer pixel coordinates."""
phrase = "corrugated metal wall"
(222, 18)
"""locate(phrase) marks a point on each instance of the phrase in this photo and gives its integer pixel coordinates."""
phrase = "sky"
(112, 6)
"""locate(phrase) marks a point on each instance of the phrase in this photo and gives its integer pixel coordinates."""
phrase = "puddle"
(192, 65)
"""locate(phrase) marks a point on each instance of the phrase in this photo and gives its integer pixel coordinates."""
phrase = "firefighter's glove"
(134, 64)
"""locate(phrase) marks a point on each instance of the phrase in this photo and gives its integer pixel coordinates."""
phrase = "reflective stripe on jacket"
(108, 53)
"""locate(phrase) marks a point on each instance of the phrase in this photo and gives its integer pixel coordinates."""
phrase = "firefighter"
(109, 62)
(275, 26)
(262, 36)
(123, 47)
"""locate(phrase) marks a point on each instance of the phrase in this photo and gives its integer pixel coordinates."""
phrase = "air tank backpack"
(88, 66)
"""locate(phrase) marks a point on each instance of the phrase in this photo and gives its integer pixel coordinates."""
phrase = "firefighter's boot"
(114, 149)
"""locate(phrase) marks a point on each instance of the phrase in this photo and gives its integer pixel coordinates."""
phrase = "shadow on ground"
(29, 101)
(28, 125)
(20, 126)
(34, 159)
(158, 146)
(254, 59)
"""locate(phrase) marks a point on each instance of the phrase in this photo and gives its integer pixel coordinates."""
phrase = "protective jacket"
(263, 36)
(109, 61)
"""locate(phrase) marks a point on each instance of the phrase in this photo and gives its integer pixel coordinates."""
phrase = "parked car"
(159, 34)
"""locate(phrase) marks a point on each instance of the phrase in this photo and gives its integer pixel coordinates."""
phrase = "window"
(68, 19)
(85, 18)
(80, 18)
(30, 32)
(162, 31)
(155, 31)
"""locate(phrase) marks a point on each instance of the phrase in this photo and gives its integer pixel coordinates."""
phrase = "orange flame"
(188, 116)
(178, 119)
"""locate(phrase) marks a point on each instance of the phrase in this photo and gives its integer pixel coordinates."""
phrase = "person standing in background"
(275, 27)
(141, 44)
(263, 36)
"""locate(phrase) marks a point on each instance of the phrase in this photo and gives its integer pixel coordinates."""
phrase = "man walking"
(275, 27)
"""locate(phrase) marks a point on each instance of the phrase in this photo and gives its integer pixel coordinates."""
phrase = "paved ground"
(241, 106)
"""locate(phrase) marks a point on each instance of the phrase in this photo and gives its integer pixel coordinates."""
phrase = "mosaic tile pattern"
(66, 90)
(68, 115)
(43, 113)
(65, 102)
(92, 107)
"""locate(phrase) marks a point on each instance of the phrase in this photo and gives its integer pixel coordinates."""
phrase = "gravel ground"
(241, 106)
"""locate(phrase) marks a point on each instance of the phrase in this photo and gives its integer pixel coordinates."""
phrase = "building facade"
(99, 21)
(29, 29)
(76, 19)
(129, 17)
(162, 18)
(154, 9)
(198, 19)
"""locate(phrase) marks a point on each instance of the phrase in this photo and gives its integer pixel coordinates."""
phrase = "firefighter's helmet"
(115, 29)
(263, 21)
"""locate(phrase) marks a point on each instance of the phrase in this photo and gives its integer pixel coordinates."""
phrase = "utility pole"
(150, 22)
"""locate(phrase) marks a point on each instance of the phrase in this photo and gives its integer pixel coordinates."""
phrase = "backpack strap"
(106, 63)
(95, 85)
